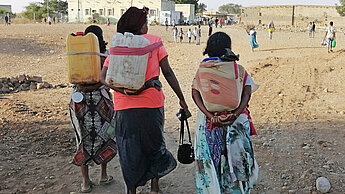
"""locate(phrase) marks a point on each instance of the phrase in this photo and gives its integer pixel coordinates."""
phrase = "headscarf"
(99, 33)
(132, 20)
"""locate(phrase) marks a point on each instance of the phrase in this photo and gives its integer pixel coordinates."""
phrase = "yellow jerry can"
(83, 59)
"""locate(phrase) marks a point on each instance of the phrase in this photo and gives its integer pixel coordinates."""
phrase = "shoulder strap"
(122, 50)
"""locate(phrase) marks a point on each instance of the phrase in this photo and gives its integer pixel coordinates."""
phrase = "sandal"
(87, 190)
(106, 181)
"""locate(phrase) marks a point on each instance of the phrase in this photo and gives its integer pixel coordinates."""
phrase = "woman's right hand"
(183, 105)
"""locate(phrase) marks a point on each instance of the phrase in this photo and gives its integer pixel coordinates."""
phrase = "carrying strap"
(184, 120)
(151, 83)
(87, 53)
(122, 50)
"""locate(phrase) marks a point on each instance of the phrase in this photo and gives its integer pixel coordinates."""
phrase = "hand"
(228, 117)
(184, 105)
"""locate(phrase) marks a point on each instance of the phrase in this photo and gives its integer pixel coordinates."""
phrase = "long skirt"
(253, 43)
(224, 157)
(93, 123)
(142, 150)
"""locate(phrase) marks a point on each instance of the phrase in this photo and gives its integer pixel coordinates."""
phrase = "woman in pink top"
(139, 117)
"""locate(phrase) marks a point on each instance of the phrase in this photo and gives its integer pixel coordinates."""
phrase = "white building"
(82, 10)
(7, 7)
(188, 11)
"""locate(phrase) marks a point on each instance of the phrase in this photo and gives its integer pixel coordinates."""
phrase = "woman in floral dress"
(224, 155)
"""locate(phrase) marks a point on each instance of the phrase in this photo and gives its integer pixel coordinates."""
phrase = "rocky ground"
(298, 110)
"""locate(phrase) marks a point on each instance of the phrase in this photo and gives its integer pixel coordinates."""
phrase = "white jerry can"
(127, 71)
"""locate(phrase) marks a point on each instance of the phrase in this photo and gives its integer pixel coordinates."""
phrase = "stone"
(330, 162)
(47, 85)
(34, 79)
(323, 185)
(292, 191)
(21, 78)
(325, 90)
(52, 51)
(40, 86)
(33, 86)
(14, 80)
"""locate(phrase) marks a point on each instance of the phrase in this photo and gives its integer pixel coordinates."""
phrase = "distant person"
(93, 123)
(181, 33)
(189, 35)
(175, 33)
(194, 33)
(49, 20)
(216, 22)
(108, 22)
(166, 24)
(311, 28)
(210, 28)
(252, 39)
(198, 36)
(173, 23)
(271, 28)
(45, 20)
(54, 20)
(330, 36)
(7, 19)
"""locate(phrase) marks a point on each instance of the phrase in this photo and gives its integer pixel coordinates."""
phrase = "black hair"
(331, 23)
(217, 44)
(99, 33)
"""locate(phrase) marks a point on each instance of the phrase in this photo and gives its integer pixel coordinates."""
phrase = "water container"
(334, 43)
(84, 64)
(127, 71)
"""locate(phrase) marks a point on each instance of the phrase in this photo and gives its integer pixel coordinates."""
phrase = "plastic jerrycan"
(84, 65)
(127, 71)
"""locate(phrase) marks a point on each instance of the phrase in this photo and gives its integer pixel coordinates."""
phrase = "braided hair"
(219, 45)
(99, 33)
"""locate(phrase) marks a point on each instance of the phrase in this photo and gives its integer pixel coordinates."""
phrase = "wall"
(188, 11)
(298, 15)
(109, 8)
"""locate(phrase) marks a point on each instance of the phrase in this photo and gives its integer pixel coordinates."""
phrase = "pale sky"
(212, 5)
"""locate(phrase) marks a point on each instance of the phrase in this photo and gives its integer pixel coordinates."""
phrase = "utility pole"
(47, 8)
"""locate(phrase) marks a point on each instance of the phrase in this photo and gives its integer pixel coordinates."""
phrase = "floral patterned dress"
(224, 157)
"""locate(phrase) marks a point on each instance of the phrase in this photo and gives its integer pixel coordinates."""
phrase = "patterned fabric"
(231, 170)
(93, 123)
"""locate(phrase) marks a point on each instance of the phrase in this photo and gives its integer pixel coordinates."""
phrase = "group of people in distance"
(194, 35)
(133, 123)
(328, 40)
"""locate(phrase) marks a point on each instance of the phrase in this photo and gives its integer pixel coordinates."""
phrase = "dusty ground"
(298, 111)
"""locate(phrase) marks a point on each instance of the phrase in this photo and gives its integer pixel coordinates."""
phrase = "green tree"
(38, 10)
(230, 8)
(341, 8)
(201, 8)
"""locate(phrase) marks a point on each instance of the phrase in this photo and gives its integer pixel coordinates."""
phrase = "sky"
(212, 5)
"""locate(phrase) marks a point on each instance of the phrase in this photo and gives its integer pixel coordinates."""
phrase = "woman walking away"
(270, 29)
(175, 33)
(91, 111)
(139, 117)
(224, 156)
(181, 33)
(252, 39)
